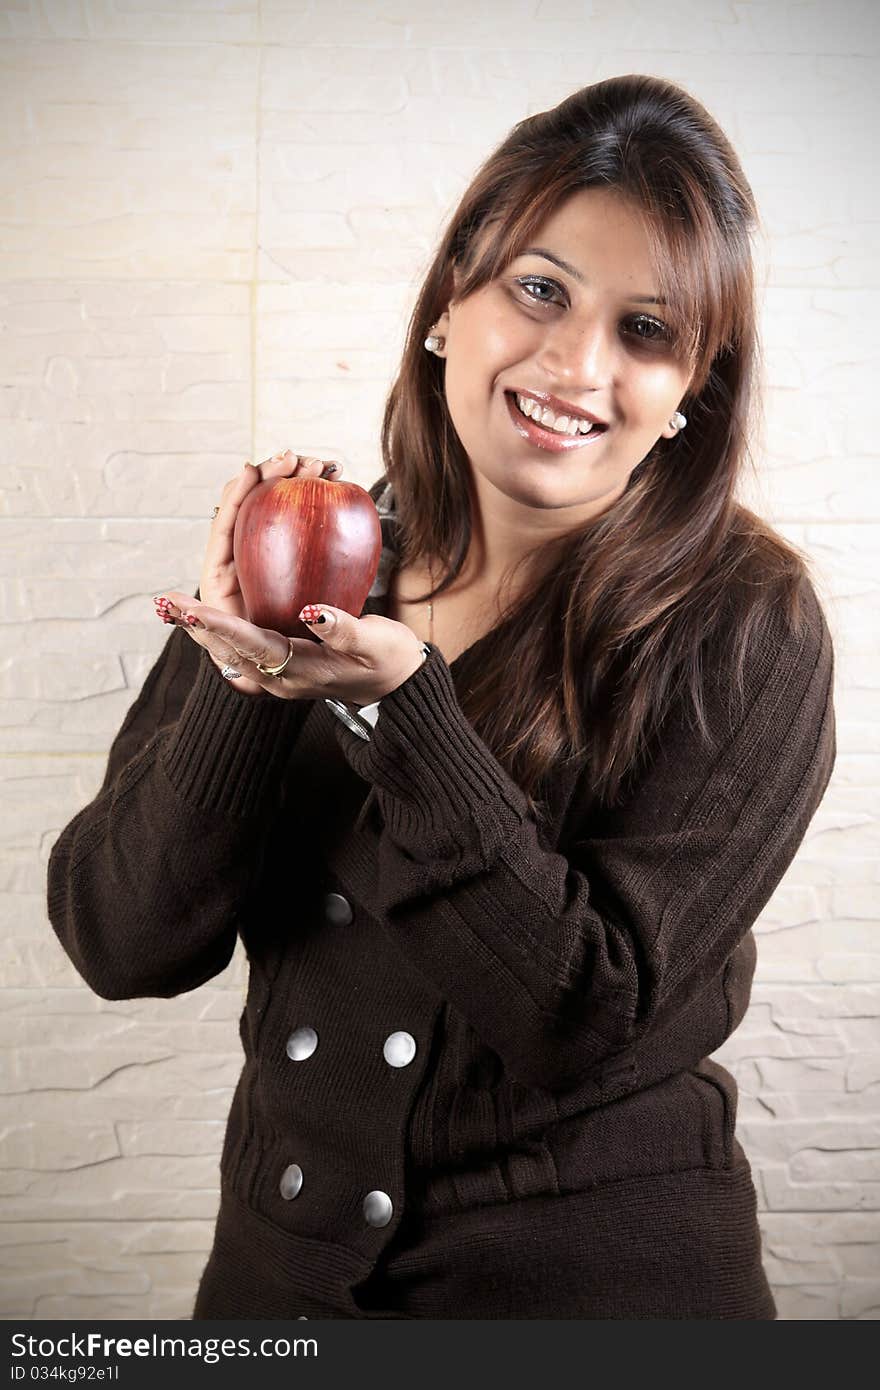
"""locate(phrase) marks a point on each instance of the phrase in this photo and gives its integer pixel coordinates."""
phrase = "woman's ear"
(451, 285)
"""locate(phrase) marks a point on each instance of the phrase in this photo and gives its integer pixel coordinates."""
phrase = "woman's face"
(579, 334)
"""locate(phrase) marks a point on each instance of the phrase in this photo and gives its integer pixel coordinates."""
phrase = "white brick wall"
(214, 217)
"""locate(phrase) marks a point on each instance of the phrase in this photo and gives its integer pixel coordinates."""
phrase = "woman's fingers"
(358, 659)
(227, 637)
(221, 653)
(223, 525)
(286, 464)
(173, 608)
(320, 468)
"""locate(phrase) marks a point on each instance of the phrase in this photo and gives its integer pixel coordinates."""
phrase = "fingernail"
(192, 620)
(312, 614)
(331, 468)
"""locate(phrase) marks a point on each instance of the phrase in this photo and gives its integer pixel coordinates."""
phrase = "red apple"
(305, 540)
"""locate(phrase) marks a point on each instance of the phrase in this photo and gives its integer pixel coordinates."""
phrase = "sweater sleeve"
(558, 961)
(145, 882)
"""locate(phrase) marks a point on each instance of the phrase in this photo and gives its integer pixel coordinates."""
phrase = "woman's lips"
(548, 439)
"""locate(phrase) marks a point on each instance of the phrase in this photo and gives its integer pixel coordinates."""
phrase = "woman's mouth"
(544, 436)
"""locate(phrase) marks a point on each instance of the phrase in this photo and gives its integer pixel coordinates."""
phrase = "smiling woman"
(478, 1079)
(625, 541)
(580, 354)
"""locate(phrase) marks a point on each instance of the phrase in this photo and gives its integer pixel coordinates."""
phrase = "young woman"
(497, 922)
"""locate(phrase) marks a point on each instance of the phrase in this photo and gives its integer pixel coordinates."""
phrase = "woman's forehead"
(576, 212)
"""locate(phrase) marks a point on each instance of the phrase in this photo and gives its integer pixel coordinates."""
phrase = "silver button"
(399, 1049)
(301, 1044)
(291, 1181)
(378, 1208)
(302, 1318)
(337, 910)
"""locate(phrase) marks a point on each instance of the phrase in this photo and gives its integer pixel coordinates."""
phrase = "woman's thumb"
(322, 619)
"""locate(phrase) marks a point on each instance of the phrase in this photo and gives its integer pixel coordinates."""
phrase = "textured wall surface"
(215, 214)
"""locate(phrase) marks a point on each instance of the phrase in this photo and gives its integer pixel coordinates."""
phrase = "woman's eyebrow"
(576, 274)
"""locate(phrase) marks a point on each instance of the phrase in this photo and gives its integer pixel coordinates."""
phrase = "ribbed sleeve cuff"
(227, 751)
(426, 757)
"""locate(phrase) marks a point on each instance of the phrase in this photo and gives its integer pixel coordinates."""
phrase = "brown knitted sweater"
(476, 1079)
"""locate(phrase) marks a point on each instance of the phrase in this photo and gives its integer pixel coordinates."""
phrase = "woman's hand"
(218, 583)
(356, 660)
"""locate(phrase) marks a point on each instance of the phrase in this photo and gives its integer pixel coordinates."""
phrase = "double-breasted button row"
(377, 1205)
(398, 1049)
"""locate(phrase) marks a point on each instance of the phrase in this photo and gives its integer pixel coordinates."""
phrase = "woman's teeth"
(560, 424)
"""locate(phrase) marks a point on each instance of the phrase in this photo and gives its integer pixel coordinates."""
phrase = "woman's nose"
(579, 351)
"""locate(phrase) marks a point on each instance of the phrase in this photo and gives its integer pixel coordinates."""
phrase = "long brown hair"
(631, 598)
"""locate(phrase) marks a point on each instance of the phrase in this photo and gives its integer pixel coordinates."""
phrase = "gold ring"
(276, 670)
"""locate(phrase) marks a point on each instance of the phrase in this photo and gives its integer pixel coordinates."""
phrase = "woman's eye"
(657, 331)
(527, 282)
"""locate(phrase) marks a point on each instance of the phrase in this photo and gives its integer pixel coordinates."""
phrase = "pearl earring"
(678, 421)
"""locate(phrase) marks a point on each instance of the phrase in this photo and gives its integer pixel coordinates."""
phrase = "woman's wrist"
(374, 704)
(425, 651)
(361, 719)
